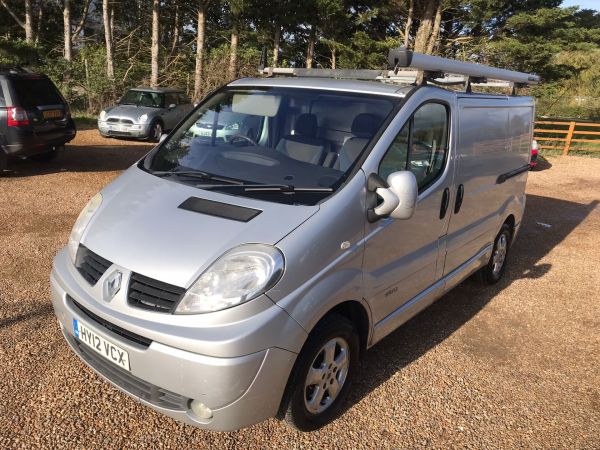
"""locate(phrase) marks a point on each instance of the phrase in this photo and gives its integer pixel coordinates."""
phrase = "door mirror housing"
(172, 106)
(396, 197)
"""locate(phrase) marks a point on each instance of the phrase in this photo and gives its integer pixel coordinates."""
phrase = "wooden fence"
(562, 135)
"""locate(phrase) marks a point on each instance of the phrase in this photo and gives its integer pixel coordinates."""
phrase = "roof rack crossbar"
(403, 58)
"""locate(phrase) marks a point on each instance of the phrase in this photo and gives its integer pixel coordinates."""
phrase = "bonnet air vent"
(218, 209)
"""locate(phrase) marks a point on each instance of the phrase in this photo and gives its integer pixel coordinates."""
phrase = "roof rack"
(426, 68)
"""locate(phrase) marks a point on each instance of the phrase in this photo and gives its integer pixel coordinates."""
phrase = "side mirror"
(172, 106)
(162, 137)
(398, 195)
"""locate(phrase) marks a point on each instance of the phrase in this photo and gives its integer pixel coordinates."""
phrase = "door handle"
(445, 202)
(460, 193)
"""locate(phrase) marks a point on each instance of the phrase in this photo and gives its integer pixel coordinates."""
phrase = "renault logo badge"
(112, 285)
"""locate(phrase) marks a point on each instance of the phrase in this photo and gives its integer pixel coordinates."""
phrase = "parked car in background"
(144, 113)
(534, 154)
(35, 121)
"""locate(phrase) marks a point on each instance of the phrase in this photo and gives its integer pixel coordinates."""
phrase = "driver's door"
(401, 256)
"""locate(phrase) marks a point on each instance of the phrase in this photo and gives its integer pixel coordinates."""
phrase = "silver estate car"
(226, 281)
(144, 113)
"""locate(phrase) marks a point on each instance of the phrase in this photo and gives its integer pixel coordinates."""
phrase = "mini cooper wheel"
(322, 375)
(156, 131)
(497, 265)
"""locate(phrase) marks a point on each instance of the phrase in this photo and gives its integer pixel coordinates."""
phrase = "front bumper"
(139, 131)
(240, 390)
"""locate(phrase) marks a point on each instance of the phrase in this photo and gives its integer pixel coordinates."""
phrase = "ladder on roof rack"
(437, 70)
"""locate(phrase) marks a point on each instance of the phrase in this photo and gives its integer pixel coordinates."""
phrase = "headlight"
(241, 274)
(102, 115)
(143, 118)
(81, 223)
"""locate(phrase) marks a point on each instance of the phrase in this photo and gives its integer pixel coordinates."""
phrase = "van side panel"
(494, 137)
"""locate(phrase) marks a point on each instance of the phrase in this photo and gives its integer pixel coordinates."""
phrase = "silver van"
(225, 281)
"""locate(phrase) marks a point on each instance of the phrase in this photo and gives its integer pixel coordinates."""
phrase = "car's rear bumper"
(26, 141)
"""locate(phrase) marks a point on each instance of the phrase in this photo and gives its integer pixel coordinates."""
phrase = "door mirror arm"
(378, 189)
(398, 194)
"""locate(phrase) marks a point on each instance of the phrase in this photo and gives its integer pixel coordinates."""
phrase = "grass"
(85, 121)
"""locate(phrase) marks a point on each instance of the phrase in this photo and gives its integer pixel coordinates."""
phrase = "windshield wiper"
(197, 174)
(285, 188)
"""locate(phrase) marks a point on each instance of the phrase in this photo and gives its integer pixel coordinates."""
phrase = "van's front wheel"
(322, 374)
(497, 265)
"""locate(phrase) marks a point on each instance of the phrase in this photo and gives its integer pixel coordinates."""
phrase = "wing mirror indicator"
(395, 198)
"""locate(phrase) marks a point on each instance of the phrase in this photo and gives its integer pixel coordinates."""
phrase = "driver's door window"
(421, 146)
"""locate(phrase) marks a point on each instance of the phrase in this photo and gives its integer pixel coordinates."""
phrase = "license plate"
(100, 345)
(52, 114)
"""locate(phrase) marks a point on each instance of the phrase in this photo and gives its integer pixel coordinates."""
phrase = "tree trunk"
(333, 57)
(155, 47)
(310, 52)
(425, 26)
(40, 21)
(409, 21)
(106, 13)
(67, 29)
(276, 39)
(28, 21)
(199, 53)
(233, 50)
(175, 28)
(435, 33)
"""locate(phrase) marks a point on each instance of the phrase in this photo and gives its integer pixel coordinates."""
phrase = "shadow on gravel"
(542, 164)
(77, 158)
(457, 307)
(42, 311)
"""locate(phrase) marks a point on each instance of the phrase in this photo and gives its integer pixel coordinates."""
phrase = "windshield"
(143, 98)
(300, 139)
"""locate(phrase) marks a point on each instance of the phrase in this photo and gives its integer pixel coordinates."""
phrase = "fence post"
(569, 137)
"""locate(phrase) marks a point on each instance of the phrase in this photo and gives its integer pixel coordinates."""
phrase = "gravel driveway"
(515, 365)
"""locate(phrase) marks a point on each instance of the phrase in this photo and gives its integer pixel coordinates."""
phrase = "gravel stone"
(515, 365)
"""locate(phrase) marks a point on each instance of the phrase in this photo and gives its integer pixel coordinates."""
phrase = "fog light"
(200, 410)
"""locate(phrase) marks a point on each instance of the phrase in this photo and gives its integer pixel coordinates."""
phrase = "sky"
(584, 4)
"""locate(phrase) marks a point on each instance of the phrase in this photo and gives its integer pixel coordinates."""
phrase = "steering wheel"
(234, 137)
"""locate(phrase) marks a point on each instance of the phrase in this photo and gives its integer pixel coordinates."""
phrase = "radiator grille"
(150, 294)
(90, 265)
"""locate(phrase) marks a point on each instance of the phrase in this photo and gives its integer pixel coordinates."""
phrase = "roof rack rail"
(433, 66)
(434, 69)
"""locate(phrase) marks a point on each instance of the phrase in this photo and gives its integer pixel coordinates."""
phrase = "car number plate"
(100, 345)
(52, 114)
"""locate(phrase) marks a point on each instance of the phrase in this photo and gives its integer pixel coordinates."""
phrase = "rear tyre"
(492, 273)
(3, 160)
(156, 131)
(322, 375)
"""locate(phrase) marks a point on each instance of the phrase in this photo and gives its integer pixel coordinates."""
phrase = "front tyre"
(322, 375)
(156, 131)
(496, 266)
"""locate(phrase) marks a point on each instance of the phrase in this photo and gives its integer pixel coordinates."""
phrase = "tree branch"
(81, 24)
(13, 14)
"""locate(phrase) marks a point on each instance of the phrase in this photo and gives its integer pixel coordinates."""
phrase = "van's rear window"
(32, 92)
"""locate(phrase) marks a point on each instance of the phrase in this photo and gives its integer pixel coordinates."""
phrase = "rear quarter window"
(32, 92)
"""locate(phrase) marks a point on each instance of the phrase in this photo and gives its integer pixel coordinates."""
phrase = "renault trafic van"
(226, 281)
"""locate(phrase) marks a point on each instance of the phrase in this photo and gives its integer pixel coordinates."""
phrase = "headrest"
(306, 125)
(365, 125)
